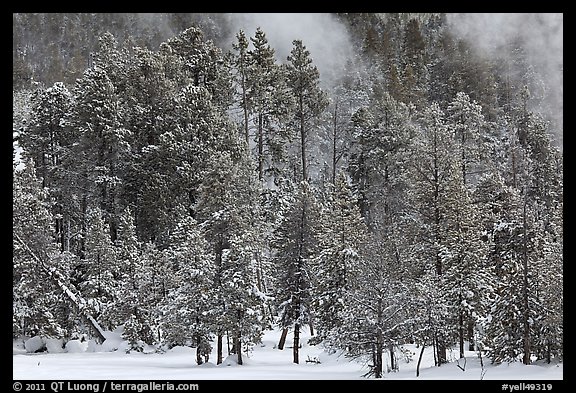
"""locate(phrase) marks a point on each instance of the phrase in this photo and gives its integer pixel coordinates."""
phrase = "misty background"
(44, 49)
(330, 45)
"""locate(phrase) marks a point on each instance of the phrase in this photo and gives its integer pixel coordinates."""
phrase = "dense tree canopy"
(188, 192)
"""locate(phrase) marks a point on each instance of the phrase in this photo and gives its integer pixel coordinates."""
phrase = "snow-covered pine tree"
(271, 104)
(45, 139)
(436, 181)
(382, 136)
(35, 298)
(48, 141)
(98, 273)
(468, 123)
(133, 306)
(523, 245)
(228, 206)
(241, 63)
(187, 310)
(244, 302)
(349, 94)
(97, 117)
(337, 267)
(296, 244)
(311, 100)
(375, 311)
(467, 280)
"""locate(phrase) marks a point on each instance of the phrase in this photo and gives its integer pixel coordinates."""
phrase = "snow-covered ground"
(87, 361)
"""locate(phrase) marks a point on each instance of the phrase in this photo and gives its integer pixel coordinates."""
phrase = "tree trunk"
(525, 303)
(311, 323)
(296, 342)
(303, 140)
(441, 348)
(440, 351)
(282, 338)
(199, 359)
(461, 327)
(378, 359)
(334, 140)
(260, 148)
(245, 107)
(392, 357)
(238, 345)
(471, 346)
(219, 350)
(419, 361)
(228, 350)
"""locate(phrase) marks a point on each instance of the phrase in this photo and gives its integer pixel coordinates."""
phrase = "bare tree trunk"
(199, 359)
(311, 323)
(238, 345)
(219, 350)
(282, 338)
(434, 350)
(471, 346)
(440, 357)
(461, 327)
(228, 350)
(420, 360)
(441, 348)
(392, 357)
(378, 358)
(296, 343)
(245, 108)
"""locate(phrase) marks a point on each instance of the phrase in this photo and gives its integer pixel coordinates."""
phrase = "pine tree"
(133, 306)
(436, 182)
(187, 309)
(304, 81)
(35, 298)
(98, 274)
(272, 103)
(468, 123)
(48, 141)
(199, 62)
(337, 267)
(375, 311)
(382, 134)
(234, 232)
(242, 64)
(523, 244)
(295, 244)
(243, 300)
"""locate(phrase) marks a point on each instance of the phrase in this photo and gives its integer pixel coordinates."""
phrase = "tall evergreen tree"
(436, 181)
(187, 309)
(295, 246)
(304, 81)
(375, 310)
(34, 298)
(337, 267)
(272, 103)
(98, 270)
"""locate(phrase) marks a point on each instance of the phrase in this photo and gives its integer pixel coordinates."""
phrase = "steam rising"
(331, 46)
(324, 36)
(542, 37)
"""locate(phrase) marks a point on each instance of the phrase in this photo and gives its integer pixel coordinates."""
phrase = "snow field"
(265, 362)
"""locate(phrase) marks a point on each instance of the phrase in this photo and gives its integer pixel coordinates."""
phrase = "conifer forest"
(380, 179)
